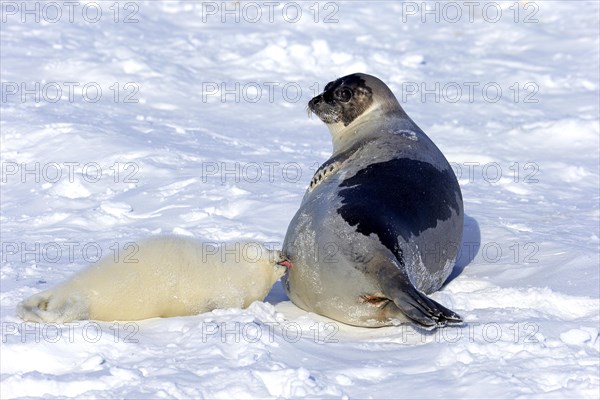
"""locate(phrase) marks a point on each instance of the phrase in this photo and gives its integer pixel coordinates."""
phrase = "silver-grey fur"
(381, 223)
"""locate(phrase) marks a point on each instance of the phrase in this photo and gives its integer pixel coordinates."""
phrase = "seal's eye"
(343, 94)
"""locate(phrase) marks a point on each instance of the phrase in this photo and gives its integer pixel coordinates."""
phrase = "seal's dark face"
(343, 100)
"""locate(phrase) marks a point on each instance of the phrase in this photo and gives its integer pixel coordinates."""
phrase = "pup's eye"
(344, 95)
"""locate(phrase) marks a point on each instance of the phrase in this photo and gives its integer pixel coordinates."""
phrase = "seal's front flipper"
(423, 310)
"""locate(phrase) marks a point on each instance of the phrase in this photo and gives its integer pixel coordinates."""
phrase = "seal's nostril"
(314, 101)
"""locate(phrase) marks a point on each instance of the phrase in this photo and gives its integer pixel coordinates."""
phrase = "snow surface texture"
(195, 160)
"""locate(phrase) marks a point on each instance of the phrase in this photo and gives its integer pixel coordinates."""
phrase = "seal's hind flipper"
(423, 310)
(35, 308)
(46, 307)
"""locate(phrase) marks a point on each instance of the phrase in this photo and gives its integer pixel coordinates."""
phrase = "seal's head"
(349, 101)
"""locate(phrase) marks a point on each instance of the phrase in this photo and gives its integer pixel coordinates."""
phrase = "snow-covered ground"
(122, 120)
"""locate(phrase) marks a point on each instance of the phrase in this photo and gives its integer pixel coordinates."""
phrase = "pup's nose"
(285, 263)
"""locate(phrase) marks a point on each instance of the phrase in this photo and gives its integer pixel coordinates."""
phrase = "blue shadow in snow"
(469, 247)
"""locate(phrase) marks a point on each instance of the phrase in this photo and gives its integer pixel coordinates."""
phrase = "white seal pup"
(166, 276)
(380, 225)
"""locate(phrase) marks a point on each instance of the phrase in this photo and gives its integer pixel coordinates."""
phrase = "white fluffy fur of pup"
(169, 276)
